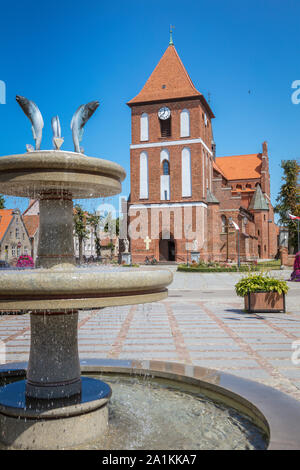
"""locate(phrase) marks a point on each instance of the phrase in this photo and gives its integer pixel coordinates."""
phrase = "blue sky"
(245, 54)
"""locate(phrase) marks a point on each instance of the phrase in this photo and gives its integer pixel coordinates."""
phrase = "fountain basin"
(275, 414)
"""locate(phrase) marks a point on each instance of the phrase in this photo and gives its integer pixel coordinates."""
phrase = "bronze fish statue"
(80, 118)
(34, 115)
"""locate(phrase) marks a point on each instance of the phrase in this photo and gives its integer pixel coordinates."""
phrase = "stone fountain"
(55, 404)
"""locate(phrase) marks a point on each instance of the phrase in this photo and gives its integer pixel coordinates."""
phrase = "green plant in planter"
(260, 282)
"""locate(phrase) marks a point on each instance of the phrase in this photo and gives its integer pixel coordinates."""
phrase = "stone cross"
(147, 242)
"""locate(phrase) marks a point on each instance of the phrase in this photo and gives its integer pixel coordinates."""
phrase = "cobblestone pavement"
(206, 328)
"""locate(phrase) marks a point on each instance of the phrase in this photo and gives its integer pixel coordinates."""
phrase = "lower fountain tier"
(78, 288)
(41, 424)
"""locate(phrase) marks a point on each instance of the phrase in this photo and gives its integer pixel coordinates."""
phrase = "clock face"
(164, 113)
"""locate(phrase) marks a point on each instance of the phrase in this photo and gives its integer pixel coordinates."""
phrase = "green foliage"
(80, 223)
(203, 267)
(80, 228)
(260, 282)
(93, 220)
(2, 202)
(288, 200)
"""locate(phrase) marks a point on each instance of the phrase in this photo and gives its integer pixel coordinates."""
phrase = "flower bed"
(216, 268)
(25, 261)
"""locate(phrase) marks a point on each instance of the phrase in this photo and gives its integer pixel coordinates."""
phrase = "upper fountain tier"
(36, 173)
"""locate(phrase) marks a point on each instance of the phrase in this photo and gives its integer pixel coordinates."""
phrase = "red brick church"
(184, 198)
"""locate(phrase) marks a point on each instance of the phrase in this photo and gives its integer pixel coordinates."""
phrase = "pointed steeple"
(169, 81)
(258, 201)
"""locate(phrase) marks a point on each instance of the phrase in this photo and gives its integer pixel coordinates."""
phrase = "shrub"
(260, 283)
(25, 261)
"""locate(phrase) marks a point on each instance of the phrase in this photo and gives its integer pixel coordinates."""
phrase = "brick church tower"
(171, 161)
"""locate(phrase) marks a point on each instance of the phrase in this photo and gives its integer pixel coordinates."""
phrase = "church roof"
(168, 81)
(240, 167)
(258, 201)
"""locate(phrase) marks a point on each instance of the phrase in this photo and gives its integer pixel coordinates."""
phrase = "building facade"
(183, 198)
(31, 219)
(14, 239)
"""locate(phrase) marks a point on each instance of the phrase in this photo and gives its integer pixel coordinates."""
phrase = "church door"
(166, 250)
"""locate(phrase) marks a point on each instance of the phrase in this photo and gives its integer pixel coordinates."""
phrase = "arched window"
(184, 123)
(144, 127)
(144, 193)
(165, 176)
(164, 155)
(186, 172)
(166, 167)
(239, 187)
(223, 220)
(248, 185)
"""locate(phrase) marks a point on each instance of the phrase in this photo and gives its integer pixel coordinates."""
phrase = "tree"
(80, 228)
(2, 202)
(93, 221)
(288, 200)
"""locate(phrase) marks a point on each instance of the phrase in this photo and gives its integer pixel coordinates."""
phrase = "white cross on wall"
(147, 242)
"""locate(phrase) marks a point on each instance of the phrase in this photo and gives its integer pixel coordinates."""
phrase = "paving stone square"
(192, 326)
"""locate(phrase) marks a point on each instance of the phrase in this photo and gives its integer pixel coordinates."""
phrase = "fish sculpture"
(57, 139)
(79, 119)
(34, 115)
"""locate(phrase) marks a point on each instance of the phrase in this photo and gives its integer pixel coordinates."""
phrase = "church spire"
(171, 43)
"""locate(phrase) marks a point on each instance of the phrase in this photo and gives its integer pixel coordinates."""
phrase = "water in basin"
(148, 414)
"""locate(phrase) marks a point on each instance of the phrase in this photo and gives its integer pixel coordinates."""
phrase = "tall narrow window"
(203, 173)
(144, 127)
(186, 173)
(224, 227)
(184, 123)
(144, 193)
(165, 175)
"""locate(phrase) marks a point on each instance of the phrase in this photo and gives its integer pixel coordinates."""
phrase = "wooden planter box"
(256, 302)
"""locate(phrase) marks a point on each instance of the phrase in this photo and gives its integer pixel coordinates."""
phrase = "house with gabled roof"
(14, 239)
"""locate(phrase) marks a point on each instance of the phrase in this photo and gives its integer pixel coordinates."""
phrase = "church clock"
(164, 113)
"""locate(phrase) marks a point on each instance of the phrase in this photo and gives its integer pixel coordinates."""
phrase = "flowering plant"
(25, 261)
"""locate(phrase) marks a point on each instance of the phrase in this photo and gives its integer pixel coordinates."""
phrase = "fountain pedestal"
(53, 367)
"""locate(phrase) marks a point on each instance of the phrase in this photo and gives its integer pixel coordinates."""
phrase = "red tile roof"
(6, 216)
(31, 223)
(240, 167)
(169, 80)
